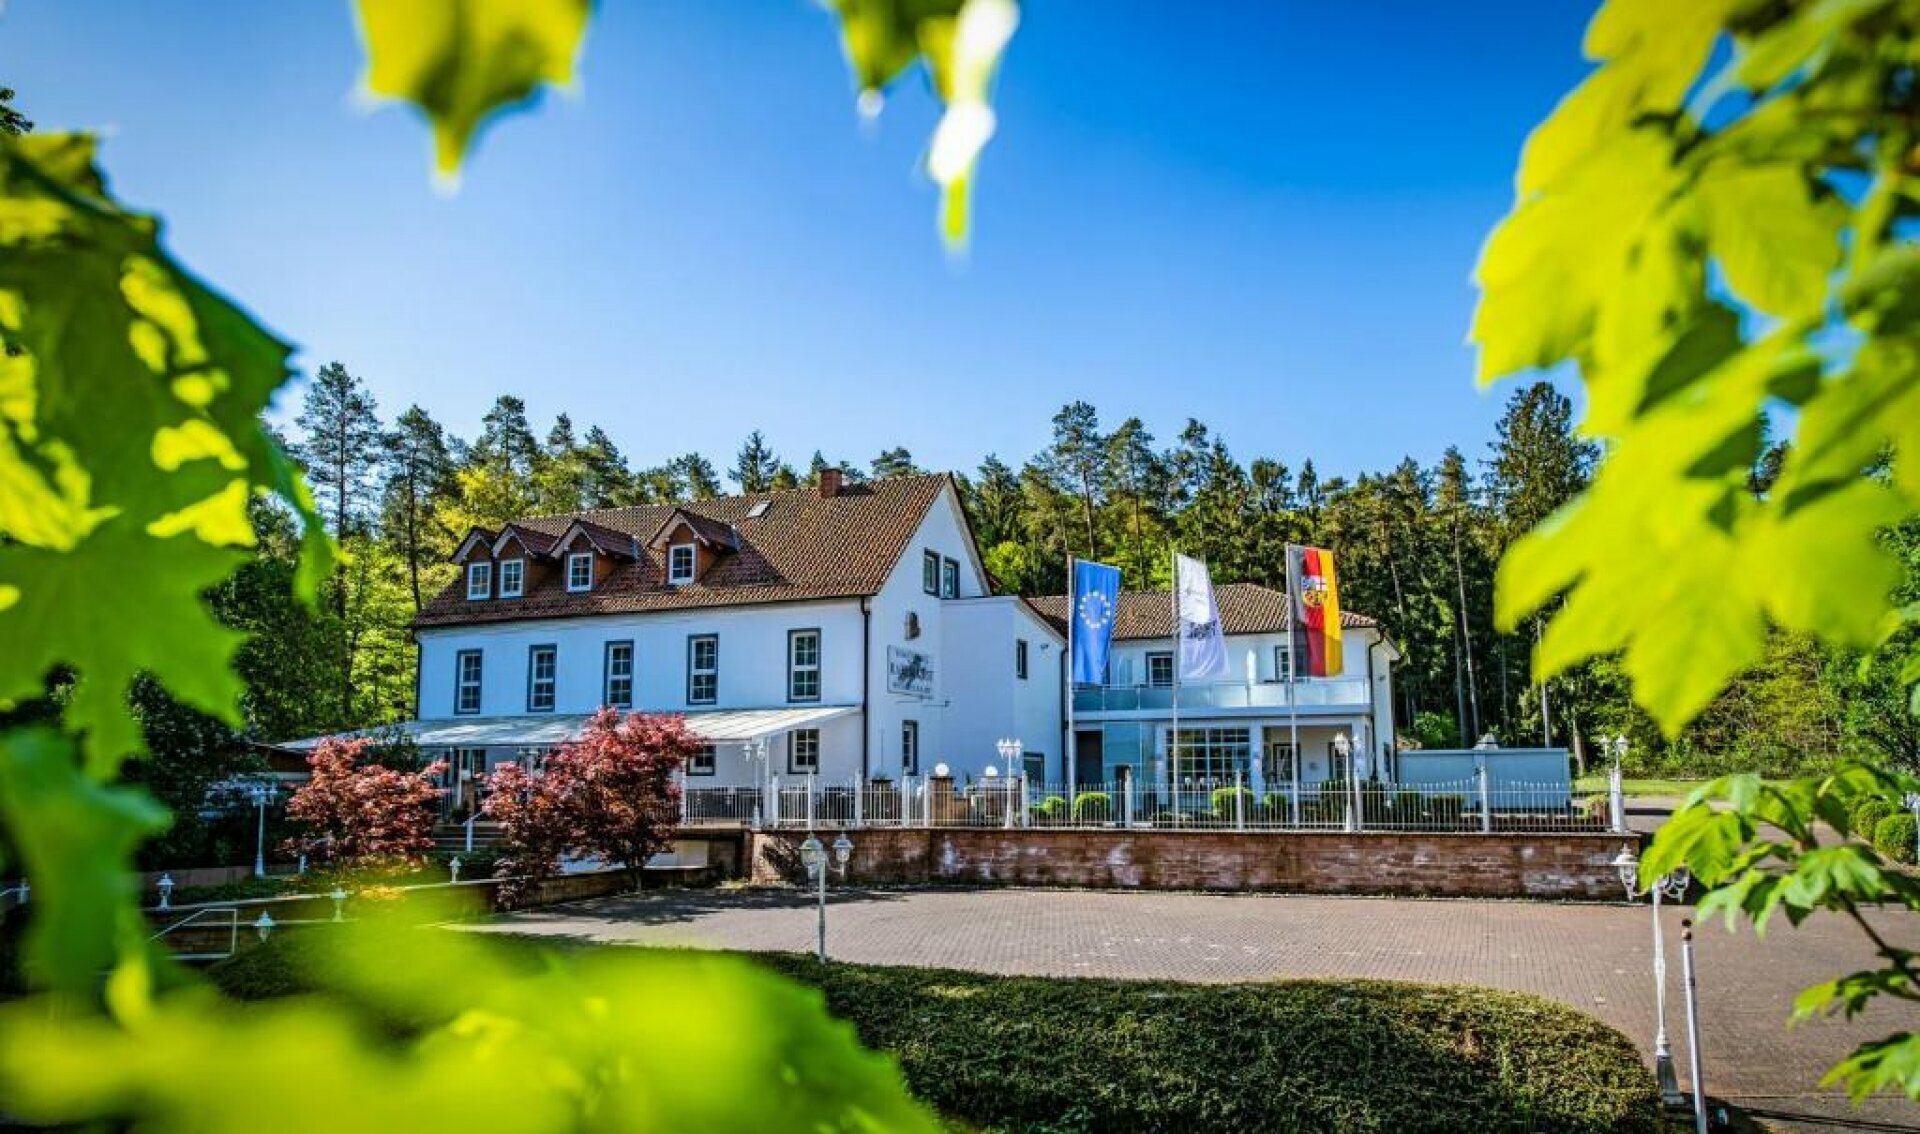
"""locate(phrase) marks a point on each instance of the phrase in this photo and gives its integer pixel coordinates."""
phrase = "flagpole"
(1179, 648)
(1073, 740)
(1293, 693)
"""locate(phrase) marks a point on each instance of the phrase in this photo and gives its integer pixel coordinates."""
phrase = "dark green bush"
(1445, 810)
(1893, 836)
(1376, 802)
(1051, 809)
(1867, 816)
(1092, 807)
(1005, 1054)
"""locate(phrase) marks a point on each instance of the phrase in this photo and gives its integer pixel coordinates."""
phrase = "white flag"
(1203, 648)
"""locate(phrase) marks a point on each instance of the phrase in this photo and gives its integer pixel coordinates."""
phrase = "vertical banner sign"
(1096, 595)
(1316, 609)
(1203, 648)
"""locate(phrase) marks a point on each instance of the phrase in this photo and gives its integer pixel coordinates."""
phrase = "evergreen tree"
(342, 447)
(694, 478)
(609, 483)
(894, 463)
(420, 481)
(756, 465)
(563, 479)
(506, 444)
(1077, 463)
(12, 122)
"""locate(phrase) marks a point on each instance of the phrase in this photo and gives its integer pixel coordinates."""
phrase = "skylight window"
(759, 510)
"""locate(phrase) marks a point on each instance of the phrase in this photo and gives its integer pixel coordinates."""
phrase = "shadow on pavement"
(665, 907)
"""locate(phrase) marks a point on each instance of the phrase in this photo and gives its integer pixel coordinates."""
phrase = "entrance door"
(1089, 761)
(1279, 765)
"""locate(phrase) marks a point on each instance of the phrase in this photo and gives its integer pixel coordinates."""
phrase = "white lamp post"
(263, 925)
(754, 752)
(814, 857)
(165, 886)
(1673, 887)
(453, 869)
(339, 896)
(1343, 748)
(261, 794)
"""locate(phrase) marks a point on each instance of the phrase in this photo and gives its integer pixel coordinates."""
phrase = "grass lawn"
(1059, 1055)
(1596, 784)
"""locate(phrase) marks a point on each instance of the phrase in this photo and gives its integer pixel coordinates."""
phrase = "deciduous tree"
(359, 815)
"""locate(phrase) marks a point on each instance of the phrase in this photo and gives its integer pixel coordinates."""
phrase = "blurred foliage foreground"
(1000, 1053)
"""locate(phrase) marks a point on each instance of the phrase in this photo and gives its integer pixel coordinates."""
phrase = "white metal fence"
(1468, 805)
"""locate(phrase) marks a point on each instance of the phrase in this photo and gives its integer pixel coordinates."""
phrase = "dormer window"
(479, 580)
(680, 563)
(580, 571)
(513, 578)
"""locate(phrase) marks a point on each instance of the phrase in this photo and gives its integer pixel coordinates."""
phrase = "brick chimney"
(831, 481)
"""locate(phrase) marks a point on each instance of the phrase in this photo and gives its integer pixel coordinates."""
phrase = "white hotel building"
(850, 630)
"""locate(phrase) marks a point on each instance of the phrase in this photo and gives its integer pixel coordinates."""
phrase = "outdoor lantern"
(339, 897)
(453, 868)
(991, 772)
(1628, 867)
(842, 850)
(813, 856)
(263, 925)
(1343, 745)
(941, 771)
(165, 886)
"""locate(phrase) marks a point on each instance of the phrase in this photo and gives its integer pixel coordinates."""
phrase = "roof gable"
(601, 538)
(477, 537)
(804, 547)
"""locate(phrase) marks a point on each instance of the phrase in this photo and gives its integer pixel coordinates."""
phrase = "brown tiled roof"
(805, 546)
(533, 539)
(602, 537)
(708, 531)
(1245, 608)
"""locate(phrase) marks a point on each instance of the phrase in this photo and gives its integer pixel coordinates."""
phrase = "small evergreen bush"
(1092, 807)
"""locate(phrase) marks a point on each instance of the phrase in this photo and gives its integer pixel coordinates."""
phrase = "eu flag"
(1096, 596)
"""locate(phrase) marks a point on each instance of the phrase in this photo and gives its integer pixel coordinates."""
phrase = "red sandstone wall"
(1492, 866)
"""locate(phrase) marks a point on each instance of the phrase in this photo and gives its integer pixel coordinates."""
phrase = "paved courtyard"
(1595, 957)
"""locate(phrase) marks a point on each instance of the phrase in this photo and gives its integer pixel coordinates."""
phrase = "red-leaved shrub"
(611, 794)
(358, 815)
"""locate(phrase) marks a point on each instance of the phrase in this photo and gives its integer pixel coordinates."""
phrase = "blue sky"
(1260, 213)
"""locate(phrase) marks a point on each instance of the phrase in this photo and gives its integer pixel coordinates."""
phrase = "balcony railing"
(1317, 693)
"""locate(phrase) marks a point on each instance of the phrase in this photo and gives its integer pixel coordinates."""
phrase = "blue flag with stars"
(1096, 596)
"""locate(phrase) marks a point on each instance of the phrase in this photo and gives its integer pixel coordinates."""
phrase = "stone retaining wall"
(1545, 865)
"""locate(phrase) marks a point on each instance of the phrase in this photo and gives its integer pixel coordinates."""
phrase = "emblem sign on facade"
(909, 672)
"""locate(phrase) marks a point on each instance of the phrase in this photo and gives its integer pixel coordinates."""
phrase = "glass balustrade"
(1342, 692)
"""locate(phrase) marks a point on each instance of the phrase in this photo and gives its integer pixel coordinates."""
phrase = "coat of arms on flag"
(1314, 591)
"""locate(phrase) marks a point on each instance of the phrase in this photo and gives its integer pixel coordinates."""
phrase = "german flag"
(1315, 596)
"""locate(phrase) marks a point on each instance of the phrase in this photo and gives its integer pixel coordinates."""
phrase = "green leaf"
(118, 521)
(463, 61)
(961, 42)
(1775, 238)
(76, 838)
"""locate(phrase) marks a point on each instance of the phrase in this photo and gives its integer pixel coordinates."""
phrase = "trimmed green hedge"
(1033, 1054)
(1893, 836)
(1068, 1055)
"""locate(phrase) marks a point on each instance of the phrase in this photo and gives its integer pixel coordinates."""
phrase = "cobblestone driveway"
(1595, 957)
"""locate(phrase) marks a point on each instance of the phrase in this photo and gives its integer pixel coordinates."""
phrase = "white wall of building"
(753, 658)
(989, 700)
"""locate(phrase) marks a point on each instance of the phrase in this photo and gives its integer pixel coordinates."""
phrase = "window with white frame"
(513, 578)
(466, 682)
(1160, 669)
(618, 683)
(1020, 658)
(542, 662)
(949, 578)
(909, 748)
(803, 751)
(1301, 662)
(680, 564)
(479, 580)
(803, 665)
(580, 571)
(930, 572)
(701, 763)
(703, 669)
